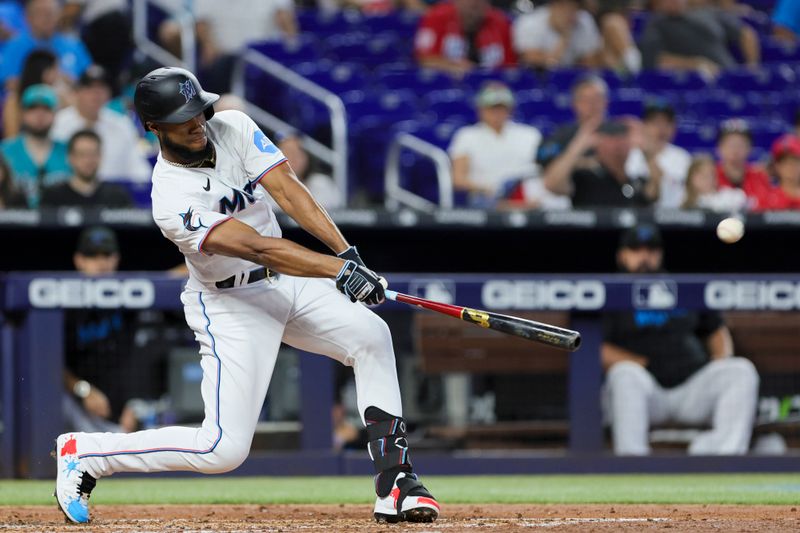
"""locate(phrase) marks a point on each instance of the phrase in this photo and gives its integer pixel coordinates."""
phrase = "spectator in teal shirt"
(786, 20)
(42, 17)
(35, 159)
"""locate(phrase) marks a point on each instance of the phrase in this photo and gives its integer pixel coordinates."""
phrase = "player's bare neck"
(207, 159)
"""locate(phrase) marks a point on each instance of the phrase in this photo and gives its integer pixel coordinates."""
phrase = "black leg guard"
(387, 447)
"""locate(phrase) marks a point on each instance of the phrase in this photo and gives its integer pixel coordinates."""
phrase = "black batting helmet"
(172, 95)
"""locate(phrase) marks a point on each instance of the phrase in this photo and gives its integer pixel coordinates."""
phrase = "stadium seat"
(323, 24)
(657, 81)
(365, 49)
(401, 22)
(305, 49)
(421, 81)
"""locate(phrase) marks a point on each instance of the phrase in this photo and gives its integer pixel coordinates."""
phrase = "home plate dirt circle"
(454, 518)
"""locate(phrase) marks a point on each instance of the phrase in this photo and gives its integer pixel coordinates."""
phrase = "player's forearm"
(611, 354)
(290, 258)
(313, 218)
(236, 239)
(720, 344)
(751, 49)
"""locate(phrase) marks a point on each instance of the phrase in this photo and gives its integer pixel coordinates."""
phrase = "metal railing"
(186, 22)
(336, 155)
(395, 194)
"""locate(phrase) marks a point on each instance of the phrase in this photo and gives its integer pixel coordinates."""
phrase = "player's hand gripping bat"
(565, 339)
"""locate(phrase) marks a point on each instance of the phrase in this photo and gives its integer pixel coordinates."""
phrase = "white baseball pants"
(240, 330)
(723, 393)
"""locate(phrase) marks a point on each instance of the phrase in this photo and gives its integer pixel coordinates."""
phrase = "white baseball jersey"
(189, 202)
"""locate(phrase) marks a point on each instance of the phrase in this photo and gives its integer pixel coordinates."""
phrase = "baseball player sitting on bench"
(248, 291)
(665, 364)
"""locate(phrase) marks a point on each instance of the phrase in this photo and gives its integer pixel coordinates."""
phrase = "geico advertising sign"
(774, 295)
(80, 293)
(558, 294)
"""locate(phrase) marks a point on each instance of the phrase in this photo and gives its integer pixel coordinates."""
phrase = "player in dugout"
(673, 366)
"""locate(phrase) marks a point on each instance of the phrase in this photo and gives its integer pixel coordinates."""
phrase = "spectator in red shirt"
(459, 35)
(786, 168)
(735, 171)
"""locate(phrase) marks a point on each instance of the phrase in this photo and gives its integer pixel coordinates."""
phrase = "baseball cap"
(786, 145)
(641, 236)
(613, 127)
(97, 240)
(40, 94)
(93, 74)
(494, 93)
(658, 106)
(734, 126)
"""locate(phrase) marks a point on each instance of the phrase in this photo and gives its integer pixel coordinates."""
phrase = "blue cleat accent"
(78, 511)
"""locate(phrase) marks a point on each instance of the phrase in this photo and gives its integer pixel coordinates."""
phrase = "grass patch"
(573, 489)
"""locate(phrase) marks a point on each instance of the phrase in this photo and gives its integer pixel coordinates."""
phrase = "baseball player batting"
(248, 291)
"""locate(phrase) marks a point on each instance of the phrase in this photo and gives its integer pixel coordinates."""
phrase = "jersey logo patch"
(238, 201)
(263, 144)
(191, 220)
(187, 90)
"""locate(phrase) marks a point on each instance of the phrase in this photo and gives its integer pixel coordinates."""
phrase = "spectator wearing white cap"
(122, 160)
(496, 149)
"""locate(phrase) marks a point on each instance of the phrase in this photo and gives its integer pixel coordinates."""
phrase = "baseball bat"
(566, 339)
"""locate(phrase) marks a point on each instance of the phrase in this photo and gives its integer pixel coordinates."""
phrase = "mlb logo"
(438, 290)
(655, 294)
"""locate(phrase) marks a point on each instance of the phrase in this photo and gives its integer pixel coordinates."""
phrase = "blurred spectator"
(230, 101)
(572, 145)
(42, 17)
(734, 170)
(679, 38)
(222, 33)
(495, 150)
(84, 188)
(786, 168)
(673, 365)
(458, 35)
(36, 160)
(41, 66)
(605, 182)
(122, 158)
(558, 34)
(619, 48)
(10, 196)
(105, 29)
(703, 192)
(12, 19)
(786, 20)
(657, 157)
(322, 186)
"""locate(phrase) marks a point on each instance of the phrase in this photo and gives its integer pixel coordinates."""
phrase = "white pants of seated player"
(240, 331)
(723, 393)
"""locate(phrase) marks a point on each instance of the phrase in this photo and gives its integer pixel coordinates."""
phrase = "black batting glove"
(360, 284)
(351, 254)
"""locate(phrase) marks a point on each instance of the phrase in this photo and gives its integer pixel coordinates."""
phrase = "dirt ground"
(454, 518)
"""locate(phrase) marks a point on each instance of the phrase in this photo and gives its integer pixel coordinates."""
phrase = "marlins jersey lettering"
(189, 202)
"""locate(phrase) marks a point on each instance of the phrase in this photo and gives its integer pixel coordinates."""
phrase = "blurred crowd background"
(532, 105)
(538, 105)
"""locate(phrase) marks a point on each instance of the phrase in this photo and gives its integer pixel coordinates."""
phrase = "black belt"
(252, 276)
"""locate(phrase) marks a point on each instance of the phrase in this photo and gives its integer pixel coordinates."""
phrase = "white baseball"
(730, 230)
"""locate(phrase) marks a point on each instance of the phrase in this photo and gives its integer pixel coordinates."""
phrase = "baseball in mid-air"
(730, 230)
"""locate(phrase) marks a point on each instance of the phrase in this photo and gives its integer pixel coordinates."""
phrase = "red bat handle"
(447, 309)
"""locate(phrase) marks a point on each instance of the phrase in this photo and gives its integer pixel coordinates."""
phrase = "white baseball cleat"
(408, 501)
(73, 483)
